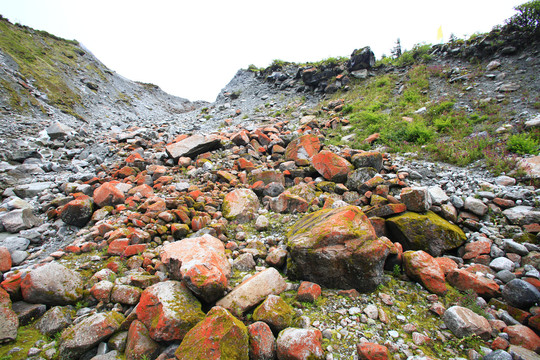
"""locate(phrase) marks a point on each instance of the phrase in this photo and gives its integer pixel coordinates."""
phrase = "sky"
(193, 48)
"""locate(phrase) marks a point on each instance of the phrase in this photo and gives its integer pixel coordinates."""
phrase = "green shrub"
(441, 108)
(527, 18)
(522, 144)
(347, 109)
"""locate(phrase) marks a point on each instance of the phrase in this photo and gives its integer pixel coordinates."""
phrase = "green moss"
(27, 336)
(44, 58)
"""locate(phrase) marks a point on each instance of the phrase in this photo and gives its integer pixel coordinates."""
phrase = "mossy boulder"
(52, 284)
(169, 310)
(337, 248)
(77, 212)
(275, 312)
(86, 334)
(219, 336)
(240, 205)
(253, 291)
(428, 232)
(201, 263)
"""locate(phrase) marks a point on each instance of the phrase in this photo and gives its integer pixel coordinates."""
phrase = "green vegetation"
(522, 144)
(400, 110)
(527, 18)
(420, 53)
(42, 56)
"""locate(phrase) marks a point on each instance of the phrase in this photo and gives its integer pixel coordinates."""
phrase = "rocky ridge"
(252, 241)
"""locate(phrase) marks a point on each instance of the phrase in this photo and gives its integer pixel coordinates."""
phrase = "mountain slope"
(44, 76)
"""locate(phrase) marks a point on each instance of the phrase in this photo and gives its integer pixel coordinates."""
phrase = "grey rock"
(505, 276)
(84, 335)
(356, 178)
(533, 123)
(58, 130)
(192, 146)
(52, 284)
(502, 263)
(496, 251)
(522, 215)
(360, 74)
(14, 243)
(244, 262)
(520, 353)
(438, 195)
(111, 355)
(464, 322)
(475, 206)
(457, 201)
(18, 256)
(20, 219)
(273, 189)
(361, 59)
(9, 323)
(28, 312)
(520, 294)
(498, 355)
(493, 65)
(252, 291)
(54, 320)
(33, 189)
(504, 180)
(515, 247)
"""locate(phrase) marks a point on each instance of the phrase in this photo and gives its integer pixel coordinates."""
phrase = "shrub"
(522, 144)
(347, 109)
(528, 17)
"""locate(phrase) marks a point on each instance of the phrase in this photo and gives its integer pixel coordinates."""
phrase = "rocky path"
(254, 241)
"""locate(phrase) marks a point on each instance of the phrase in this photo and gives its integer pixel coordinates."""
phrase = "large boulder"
(54, 320)
(522, 215)
(86, 334)
(428, 232)
(524, 336)
(361, 59)
(108, 195)
(464, 280)
(52, 284)
(337, 248)
(421, 266)
(521, 294)
(331, 166)
(464, 322)
(219, 336)
(19, 219)
(240, 205)
(169, 310)
(252, 291)
(303, 148)
(192, 146)
(201, 263)
(77, 212)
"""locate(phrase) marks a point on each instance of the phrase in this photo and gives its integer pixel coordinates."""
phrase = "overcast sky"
(193, 48)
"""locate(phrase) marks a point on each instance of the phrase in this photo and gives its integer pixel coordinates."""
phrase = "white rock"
(475, 206)
(438, 195)
(502, 263)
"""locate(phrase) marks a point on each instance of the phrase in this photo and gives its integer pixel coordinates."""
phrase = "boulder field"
(263, 243)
